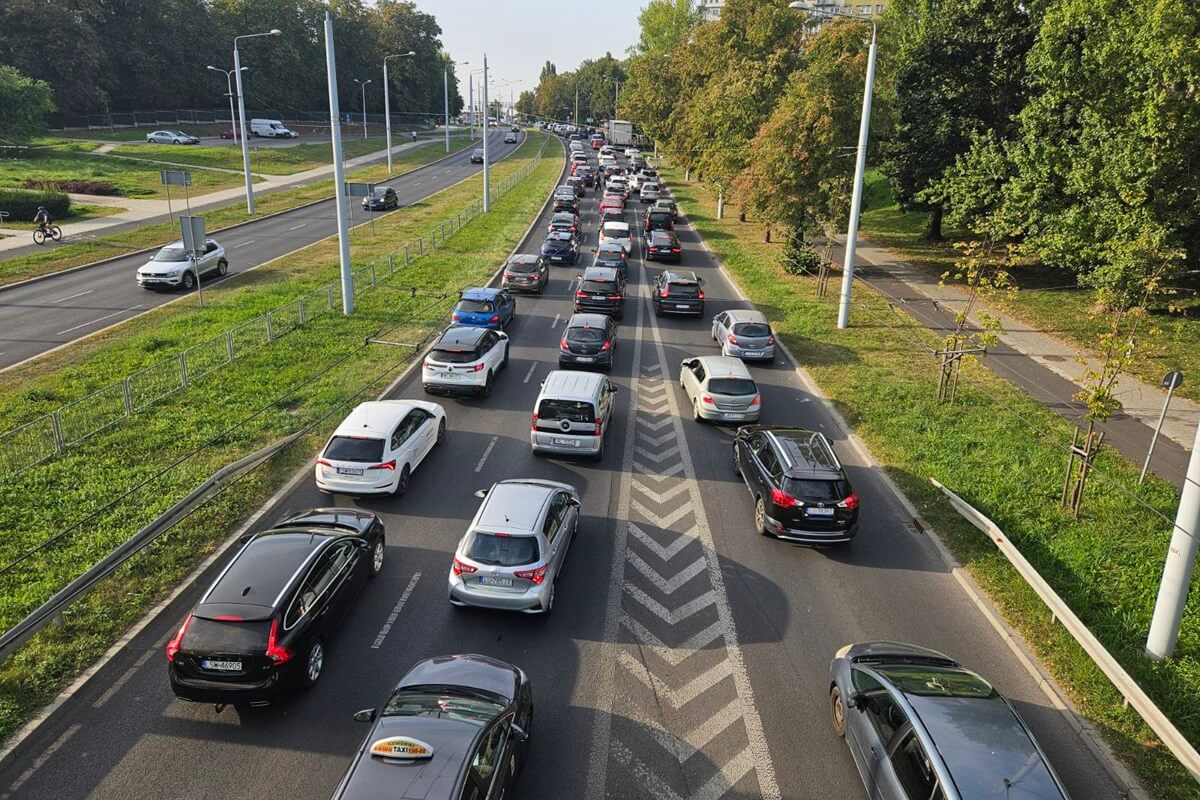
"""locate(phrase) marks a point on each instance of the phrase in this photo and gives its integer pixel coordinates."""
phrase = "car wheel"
(441, 436)
(377, 557)
(487, 386)
(760, 516)
(189, 280)
(222, 267)
(657, 310)
(314, 663)
(837, 711)
(402, 482)
(736, 469)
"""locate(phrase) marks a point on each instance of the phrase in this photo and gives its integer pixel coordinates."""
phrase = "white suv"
(173, 266)
(465, 360)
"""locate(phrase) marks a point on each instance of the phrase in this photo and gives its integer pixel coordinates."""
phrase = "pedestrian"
(414, 135)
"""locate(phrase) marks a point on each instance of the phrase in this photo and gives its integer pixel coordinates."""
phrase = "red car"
(228, 134)
(612, 201)
(597, 144)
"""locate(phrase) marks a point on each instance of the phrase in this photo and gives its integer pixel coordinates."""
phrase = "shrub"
(79, 187)
(798, 257)
(22, 204)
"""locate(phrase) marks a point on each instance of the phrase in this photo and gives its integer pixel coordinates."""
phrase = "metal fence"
(53, 434)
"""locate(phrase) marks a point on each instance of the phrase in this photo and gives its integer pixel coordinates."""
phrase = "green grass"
(327, 357)
(1006, 457)
(74, 254)
(1049, 298)
(79, 213)
(138, 134)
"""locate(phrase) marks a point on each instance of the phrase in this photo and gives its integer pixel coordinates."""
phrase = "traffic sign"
(171, 177)
(1172, 380)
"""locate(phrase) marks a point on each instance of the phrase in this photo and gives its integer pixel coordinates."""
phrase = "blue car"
(485, 308)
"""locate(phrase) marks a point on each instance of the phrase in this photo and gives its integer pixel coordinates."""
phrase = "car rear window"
(234, 637)
(454, 356)
(521, 266)
(751, 329)
(660, 216)
(732, 386)
(586, 335)
(684, 290)
(599, 286)
(354, 448)
(817, 491)
(573, 410)
(475, 306)
(502, 551)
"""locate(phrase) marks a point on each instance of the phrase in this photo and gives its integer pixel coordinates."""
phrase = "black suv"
(612, 255)
(265, 623)
(601, 291)
(564, 202)
(800, 490)
(678, 293)
(658, 219)
(662, 246)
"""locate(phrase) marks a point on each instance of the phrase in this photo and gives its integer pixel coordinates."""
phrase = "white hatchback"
(378, 446)
(465, 360)
(617, 233)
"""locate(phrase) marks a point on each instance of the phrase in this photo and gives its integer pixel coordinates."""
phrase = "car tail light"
(615, 296)
(699, 294)
(459, 567)
(597, 431)
(674, 249)
(390, 466)
(508, 274)
(535, 575)
(454, 317)
(563, 344)
(706, 398)
(229, 618)
(177, 639)
(731, 339)
(664, 292)
(580, 295)
(757, 401)
(324, 462)
(533, 422)
(275, 651)
(606, 346)
(771, 339)
(782, 499)
(495, 318)
(850, 502)
(478, 367)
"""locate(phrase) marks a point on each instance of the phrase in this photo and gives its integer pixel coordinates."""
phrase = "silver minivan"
(572, 414)
(514, 549)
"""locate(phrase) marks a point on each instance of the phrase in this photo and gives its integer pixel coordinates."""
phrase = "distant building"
(710, 10)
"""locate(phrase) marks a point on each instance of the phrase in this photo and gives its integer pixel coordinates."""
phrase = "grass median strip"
(1005, 454)
(264, 158)
(308, 377)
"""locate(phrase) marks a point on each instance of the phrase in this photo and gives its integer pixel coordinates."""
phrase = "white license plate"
(485, 581)
(349, 470)
(567, 442)
(752, 352)
(220, 666)
(449, 376)
(585, 359)
(728, 415)
(681, 305)
(819, 512)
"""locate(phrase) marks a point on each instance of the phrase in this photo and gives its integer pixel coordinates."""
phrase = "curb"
(143, 251)
(19, 736)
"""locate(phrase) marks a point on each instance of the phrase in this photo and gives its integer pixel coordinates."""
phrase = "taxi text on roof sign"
(401, 747)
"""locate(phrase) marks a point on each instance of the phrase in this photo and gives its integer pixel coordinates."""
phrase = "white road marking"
(486, 453)
(557, 317)
(121, 681)
(532, 369)
(243, 244)
(101, 319)
(387, 626)
(42, 759)
(73, 296)
(297, 227)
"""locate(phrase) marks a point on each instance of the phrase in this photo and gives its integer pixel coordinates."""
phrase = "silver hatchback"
(720, 389)
(744, 333)
(514, 549)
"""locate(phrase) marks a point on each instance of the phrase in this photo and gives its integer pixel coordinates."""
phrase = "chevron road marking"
(664, 522)
(654, 426)
(657, 440)
(671, 550)
(667, 585)
(665, 614)
(657, 458)
(717, 786)
(674, 469)
(673, 655)
(678, 698)
(695, 740)
(661, 498)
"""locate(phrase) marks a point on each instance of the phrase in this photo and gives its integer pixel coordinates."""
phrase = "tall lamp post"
(233, 123)
(363, 84)
(237, 72)
(446, 88)
(860, 165)
(471, 100)
(387, 105)
(487, 173)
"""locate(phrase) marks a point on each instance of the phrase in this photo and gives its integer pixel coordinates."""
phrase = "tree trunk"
(741, 216)
(767, 236)
(933, 231)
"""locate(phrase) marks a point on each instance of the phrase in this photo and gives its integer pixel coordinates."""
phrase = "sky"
(520, 35)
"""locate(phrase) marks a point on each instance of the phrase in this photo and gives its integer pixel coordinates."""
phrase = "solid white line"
(297, 227)
(387, 626)
(532, 368)
(73, 296)
(243, 244)
(486, 453)
(557, 317)
(101, 319)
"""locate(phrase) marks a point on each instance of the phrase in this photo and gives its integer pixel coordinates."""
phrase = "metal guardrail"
(1175, 741)
(52, 434)
(50, 610)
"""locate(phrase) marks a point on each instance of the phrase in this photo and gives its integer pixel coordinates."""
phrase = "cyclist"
(43, 219)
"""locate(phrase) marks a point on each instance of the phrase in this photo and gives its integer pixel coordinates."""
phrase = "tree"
(26, 102)
(58, 45)
(664, 26)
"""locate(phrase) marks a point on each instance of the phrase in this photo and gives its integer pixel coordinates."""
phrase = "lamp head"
(275, 32)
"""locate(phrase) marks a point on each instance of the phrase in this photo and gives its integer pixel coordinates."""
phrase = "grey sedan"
(920, 725)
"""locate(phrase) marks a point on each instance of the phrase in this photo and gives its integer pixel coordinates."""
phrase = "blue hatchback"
(485, 308)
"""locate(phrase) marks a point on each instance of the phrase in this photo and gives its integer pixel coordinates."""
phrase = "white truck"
(620, 133)
(271, 129)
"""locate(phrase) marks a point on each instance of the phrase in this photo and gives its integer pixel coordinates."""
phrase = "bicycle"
(53, 231)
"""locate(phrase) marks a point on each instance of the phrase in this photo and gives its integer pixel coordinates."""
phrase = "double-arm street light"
(387, 104)
(860, 165)
(233, 123)
(471, 100)
(363, 84)
(237, 71)
(446, 89)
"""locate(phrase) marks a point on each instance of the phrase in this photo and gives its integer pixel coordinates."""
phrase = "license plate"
(585, 359)
(486, 581)
(448, 376)
(681, 305)
(349, 470)
(819, 512)
(220, 666)
(728, 415)
(752, 352)
(567, 442)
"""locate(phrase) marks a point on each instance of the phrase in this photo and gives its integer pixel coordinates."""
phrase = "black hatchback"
(590, 340)
(601, 291)
(381, 198)
(662, 246)
(266, 621)
(800, 490)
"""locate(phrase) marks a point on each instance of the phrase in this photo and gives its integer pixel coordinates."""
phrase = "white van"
(271, 129)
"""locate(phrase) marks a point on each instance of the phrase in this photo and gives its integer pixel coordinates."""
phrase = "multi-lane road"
(46, 314)
(687, 656)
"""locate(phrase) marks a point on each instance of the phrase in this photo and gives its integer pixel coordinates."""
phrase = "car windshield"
(817, 491)
(171, 254)
(354, 448)
(478, 153)
(586, 335)
(573, 410)
(502, 550)
(409, 703)
(733, 386)
(928, 681)
(475, 306)
(751, 329)
(455, 356)
(660, 216)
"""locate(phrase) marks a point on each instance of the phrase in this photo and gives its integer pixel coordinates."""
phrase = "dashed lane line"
(100, 319)
(487, 452)
(532, 369)
(73, 296)
(391, 620)
(41, 760)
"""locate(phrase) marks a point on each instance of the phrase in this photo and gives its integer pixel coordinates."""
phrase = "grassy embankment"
(1006, 456)
(310, 375)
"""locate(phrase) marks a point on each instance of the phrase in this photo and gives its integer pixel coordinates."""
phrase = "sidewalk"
(152, 211)
(1049, 368)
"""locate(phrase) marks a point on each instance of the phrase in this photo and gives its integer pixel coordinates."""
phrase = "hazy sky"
(520, 35)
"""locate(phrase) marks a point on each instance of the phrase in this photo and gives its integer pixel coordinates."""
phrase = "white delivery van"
(271, 129)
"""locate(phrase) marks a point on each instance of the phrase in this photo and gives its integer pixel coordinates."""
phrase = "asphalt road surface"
(46, 314)
(687, 656)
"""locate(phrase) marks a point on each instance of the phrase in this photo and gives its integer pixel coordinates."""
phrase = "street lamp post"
(471, 100)
(237, 72)
(446, 89)
(233, 123)
(860, 165)
(387, 105)
(363, 84)
(339, 171)
(487, 174)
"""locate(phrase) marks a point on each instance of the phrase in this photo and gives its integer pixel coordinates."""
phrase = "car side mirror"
(365, 715)
(482, 493)
(246, 537)
(519, 734)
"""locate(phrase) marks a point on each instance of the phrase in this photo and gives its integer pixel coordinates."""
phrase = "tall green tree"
(26, 103)
(59, 45)
(664, 26)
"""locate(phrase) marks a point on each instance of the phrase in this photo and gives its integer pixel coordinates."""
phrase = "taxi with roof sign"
(454, 728)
